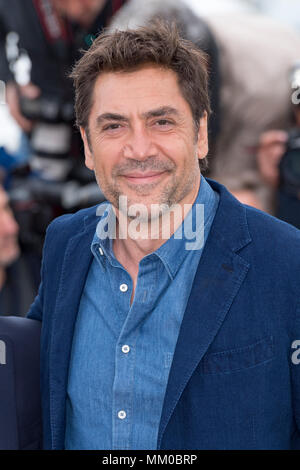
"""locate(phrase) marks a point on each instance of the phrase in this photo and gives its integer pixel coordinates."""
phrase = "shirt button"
(101, 251)
(123, 287)
(122, 414)
(125, 348)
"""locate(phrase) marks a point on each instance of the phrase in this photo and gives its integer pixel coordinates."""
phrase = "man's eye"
(111, 127)
(163, 122)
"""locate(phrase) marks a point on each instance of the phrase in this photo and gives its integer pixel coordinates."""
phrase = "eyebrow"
(158, 112)
(110, 117)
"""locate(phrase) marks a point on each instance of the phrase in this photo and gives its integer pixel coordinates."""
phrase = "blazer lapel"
(218, 279)
(75, 268)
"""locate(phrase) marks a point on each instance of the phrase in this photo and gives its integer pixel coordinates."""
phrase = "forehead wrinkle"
(110, 117)
(158, 112)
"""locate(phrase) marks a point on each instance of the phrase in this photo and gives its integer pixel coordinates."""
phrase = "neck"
(149, 236)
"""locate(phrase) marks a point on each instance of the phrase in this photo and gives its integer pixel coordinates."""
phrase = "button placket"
(123, 391)
(123, 388)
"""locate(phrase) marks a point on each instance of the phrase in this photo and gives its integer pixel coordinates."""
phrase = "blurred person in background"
(278, 159)
(9, 248)
(256, 54)
(47, 35)
(39, 42)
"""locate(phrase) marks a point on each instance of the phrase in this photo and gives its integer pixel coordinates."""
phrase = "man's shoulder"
(267, 228)
(274, 245)
(68, 225)
(69, 221)
(237, 219)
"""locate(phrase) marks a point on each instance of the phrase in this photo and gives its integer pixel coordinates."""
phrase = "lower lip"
(145, 179)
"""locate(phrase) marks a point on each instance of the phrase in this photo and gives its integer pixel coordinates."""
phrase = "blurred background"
(253, 48)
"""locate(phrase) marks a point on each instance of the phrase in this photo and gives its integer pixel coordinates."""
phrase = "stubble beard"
(172, 193)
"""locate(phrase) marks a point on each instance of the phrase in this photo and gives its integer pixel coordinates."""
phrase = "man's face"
(142, 137)
(9, 249)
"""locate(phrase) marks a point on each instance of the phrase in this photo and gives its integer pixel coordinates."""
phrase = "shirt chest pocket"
(234, 360)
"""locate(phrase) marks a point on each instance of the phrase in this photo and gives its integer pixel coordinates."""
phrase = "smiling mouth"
(141, 178)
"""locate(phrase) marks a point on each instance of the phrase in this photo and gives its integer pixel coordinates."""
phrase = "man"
(9, 247)
(161, 341)
(249, 105)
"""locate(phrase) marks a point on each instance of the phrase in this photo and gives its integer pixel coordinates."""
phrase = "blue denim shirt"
(121, 353)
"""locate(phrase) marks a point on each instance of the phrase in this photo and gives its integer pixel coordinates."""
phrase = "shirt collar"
(173, 251)
(102, 246)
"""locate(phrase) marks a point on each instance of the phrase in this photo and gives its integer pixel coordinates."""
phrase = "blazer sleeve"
(37, 307)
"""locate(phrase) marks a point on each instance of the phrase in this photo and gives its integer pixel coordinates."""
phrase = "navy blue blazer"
(233, 383)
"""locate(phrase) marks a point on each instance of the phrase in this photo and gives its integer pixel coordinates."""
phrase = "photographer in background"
(9, 248)
(47, 35)
(39, 42)
(278, 159)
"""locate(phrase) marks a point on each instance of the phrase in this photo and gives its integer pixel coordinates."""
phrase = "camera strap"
(53, 26)
(116, 5)
(57, 32)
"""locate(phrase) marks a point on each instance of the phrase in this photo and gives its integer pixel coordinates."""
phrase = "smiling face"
(142, 139)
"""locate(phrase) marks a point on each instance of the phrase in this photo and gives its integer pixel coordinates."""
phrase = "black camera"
(51, 138)
(47, 109)
(36, 203)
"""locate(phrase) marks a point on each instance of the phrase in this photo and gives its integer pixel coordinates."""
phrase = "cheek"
(104, 155)
(103, 164)
(182, 152)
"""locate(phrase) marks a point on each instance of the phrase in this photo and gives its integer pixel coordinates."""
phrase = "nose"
(139, 145)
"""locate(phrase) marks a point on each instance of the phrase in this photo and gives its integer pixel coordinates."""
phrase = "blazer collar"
(220, 274)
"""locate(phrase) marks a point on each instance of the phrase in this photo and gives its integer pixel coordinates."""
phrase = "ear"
(89, 160)
(202, 143)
